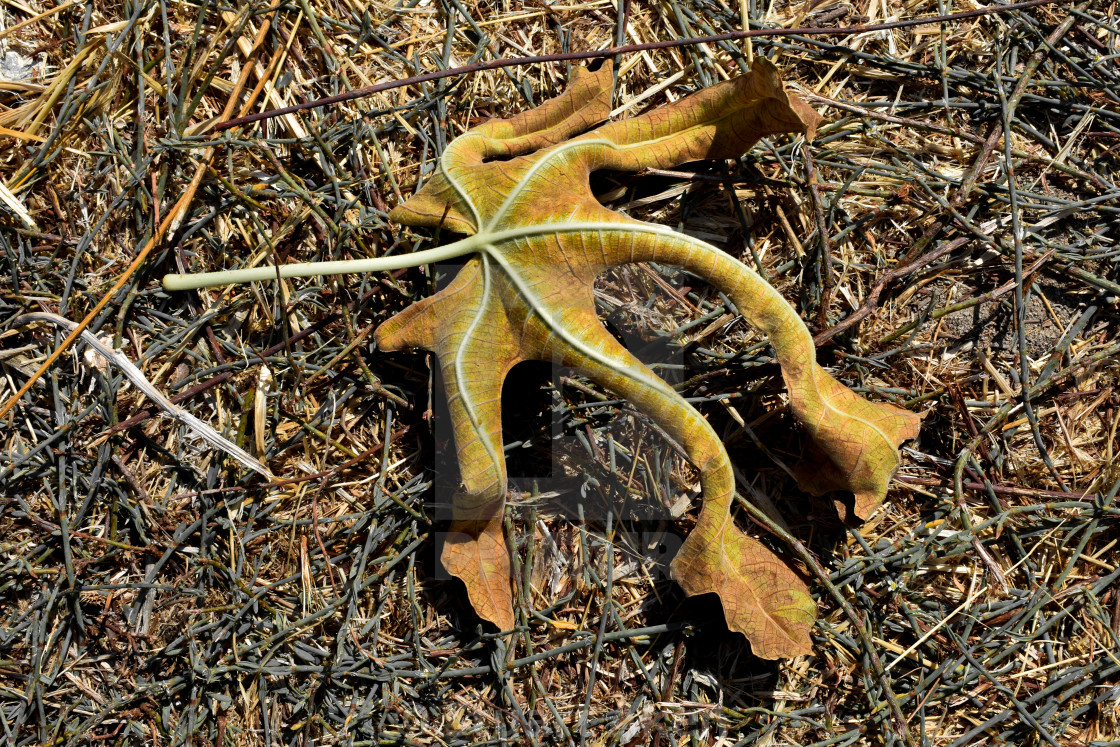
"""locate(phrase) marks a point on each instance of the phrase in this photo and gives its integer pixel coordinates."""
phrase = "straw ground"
(950, 236)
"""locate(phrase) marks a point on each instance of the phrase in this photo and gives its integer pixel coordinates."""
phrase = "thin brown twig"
(872, 301)
(893, 119)
(171, 222)
(358, 93)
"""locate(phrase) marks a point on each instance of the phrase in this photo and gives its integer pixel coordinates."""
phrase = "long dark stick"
(612, 51)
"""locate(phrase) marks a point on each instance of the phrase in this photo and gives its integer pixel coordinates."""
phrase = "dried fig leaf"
(519, 188)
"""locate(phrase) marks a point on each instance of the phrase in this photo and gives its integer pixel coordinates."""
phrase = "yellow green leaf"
(519, 189)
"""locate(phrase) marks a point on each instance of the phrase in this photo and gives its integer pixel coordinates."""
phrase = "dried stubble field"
(152, 591)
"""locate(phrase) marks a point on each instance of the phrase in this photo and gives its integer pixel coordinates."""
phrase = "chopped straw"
(949, 236)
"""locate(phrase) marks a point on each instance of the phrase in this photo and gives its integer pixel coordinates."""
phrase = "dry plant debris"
(958, 205)
(520, 190)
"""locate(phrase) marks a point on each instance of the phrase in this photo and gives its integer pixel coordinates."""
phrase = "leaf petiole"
(190, 281)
